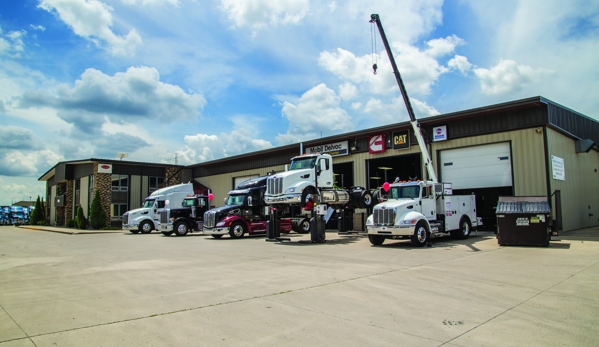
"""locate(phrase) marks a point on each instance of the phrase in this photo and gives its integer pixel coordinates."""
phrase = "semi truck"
(146, 218)
(419, 210)
(245, 212)
(189, 217)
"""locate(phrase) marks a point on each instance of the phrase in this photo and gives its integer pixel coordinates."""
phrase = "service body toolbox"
(523, 221)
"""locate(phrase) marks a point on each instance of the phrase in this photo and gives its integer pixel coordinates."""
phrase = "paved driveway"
(121, 289)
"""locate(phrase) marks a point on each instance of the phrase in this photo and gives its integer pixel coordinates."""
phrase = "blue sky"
(201, 80)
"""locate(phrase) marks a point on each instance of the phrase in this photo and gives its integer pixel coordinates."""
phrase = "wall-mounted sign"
(558, 168)
(440, 133)
(334, 149)
(401, 139)
(105, 168)
(376, 144)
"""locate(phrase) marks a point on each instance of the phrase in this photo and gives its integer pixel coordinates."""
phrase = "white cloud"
(258, 14)
(91, 19)
(132, 95)
(442, 47)
(347, 91)
(37, 27)
(175, 3)
(460, 63)
(316, 113)
(381, 113)
(507, 77)
(204, 147)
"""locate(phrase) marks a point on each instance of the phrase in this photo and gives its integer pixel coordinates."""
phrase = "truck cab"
(189, 217)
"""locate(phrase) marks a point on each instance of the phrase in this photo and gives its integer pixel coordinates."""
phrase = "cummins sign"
(334, 149)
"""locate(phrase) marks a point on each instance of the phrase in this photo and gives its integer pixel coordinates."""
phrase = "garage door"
(477, 167)
(241, 179)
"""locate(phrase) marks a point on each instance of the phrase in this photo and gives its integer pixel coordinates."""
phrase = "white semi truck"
(147, 218)
(419, 210)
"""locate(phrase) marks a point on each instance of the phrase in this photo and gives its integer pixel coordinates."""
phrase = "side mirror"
(225, 201)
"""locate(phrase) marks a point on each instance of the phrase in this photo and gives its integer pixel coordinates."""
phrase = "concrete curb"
(68, 230)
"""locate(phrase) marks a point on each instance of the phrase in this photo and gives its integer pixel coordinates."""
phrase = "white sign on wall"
(440, 133)
(558, 168)
(334, 149)
(105, 168)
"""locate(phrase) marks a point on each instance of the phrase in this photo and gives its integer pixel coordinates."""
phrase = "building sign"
(401, 139)
(376, 144)
(334, 149)
(440, 133)
(105, 168)
(558, 168)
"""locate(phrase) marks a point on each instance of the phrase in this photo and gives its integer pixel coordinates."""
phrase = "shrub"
(70, 223)
(80, 219)
(38, 213)
(97, 215)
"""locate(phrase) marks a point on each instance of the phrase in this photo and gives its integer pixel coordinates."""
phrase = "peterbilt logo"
(383, 207)
(105, 167)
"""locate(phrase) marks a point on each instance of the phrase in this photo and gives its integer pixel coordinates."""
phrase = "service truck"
(146, 218)
(188, 217)
(245, 212)
(419, 210)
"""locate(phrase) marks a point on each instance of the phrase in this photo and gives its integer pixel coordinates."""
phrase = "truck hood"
(224, 209)
(301, 175)
(393, 203)
(139, 211)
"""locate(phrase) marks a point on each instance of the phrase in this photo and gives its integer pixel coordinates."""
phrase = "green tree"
(38, 214)
(97, 215)
(80, 220)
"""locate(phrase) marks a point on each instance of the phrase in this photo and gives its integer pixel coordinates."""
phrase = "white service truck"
(147, 218)
(423, 209)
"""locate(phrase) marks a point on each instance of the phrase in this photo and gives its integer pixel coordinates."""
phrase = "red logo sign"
(105, 167)
(376, 144)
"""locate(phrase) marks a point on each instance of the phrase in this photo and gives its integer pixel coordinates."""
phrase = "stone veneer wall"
(173, 176)
(60, 190)
(68, 202)
(103, 183)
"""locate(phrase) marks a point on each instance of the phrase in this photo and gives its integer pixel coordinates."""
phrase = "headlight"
(369, 221)
(221, 224)
(290, 190)
(407, 222)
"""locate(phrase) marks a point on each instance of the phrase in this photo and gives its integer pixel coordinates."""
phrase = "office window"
(120, 183)
(155, 183)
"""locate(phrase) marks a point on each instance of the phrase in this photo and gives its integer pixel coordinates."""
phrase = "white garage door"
(241, 179)
(477, 167)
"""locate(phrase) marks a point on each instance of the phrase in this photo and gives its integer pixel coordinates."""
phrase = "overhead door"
(478, 166)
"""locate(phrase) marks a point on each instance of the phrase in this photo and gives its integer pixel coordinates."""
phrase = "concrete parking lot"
(121, 289)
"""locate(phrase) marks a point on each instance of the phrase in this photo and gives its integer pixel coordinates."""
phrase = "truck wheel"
(464, 231)
(366, 199)
(167, 233)
(181, 229)
(217, 236)
(376, 240)
(303, 226)
(421, 235)
(307, 194)
(134, 231)
(237, 230)
(146, 227)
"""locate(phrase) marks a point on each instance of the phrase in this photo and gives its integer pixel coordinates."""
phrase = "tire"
(421, 235)
(306, 195)
(237, 230)
(181, 229)
(464, 231)
(146, 227)
(134, 231)
(217, 236)
(376, 240)
(303, 226)
(366, 199)
(167, 233)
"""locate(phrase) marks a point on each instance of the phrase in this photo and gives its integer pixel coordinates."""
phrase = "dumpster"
(523, 221)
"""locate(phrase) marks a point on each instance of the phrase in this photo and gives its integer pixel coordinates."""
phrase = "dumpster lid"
(523, 204)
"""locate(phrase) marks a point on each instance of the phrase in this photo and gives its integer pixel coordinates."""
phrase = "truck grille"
(125, 219)
(383, 217)
(164, 216)
(209, 219)
(274, 186)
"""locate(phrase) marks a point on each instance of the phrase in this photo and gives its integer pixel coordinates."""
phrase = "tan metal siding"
(52, 203)
(144, 188)
(135, 192)
(528, 163)
(84, 194)
(580, 190)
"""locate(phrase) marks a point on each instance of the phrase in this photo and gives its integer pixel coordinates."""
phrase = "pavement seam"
(521, 303)
(27, 337)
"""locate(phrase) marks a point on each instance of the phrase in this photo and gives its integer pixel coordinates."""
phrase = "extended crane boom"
(374, 18)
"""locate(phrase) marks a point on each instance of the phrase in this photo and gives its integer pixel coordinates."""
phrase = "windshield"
(404, 192)
(234, 200)
(303, 163)
(149, 203)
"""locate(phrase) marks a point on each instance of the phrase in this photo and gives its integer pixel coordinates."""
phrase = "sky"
(188, 81)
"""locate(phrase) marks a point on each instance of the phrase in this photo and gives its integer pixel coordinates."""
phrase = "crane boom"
(374, 18)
